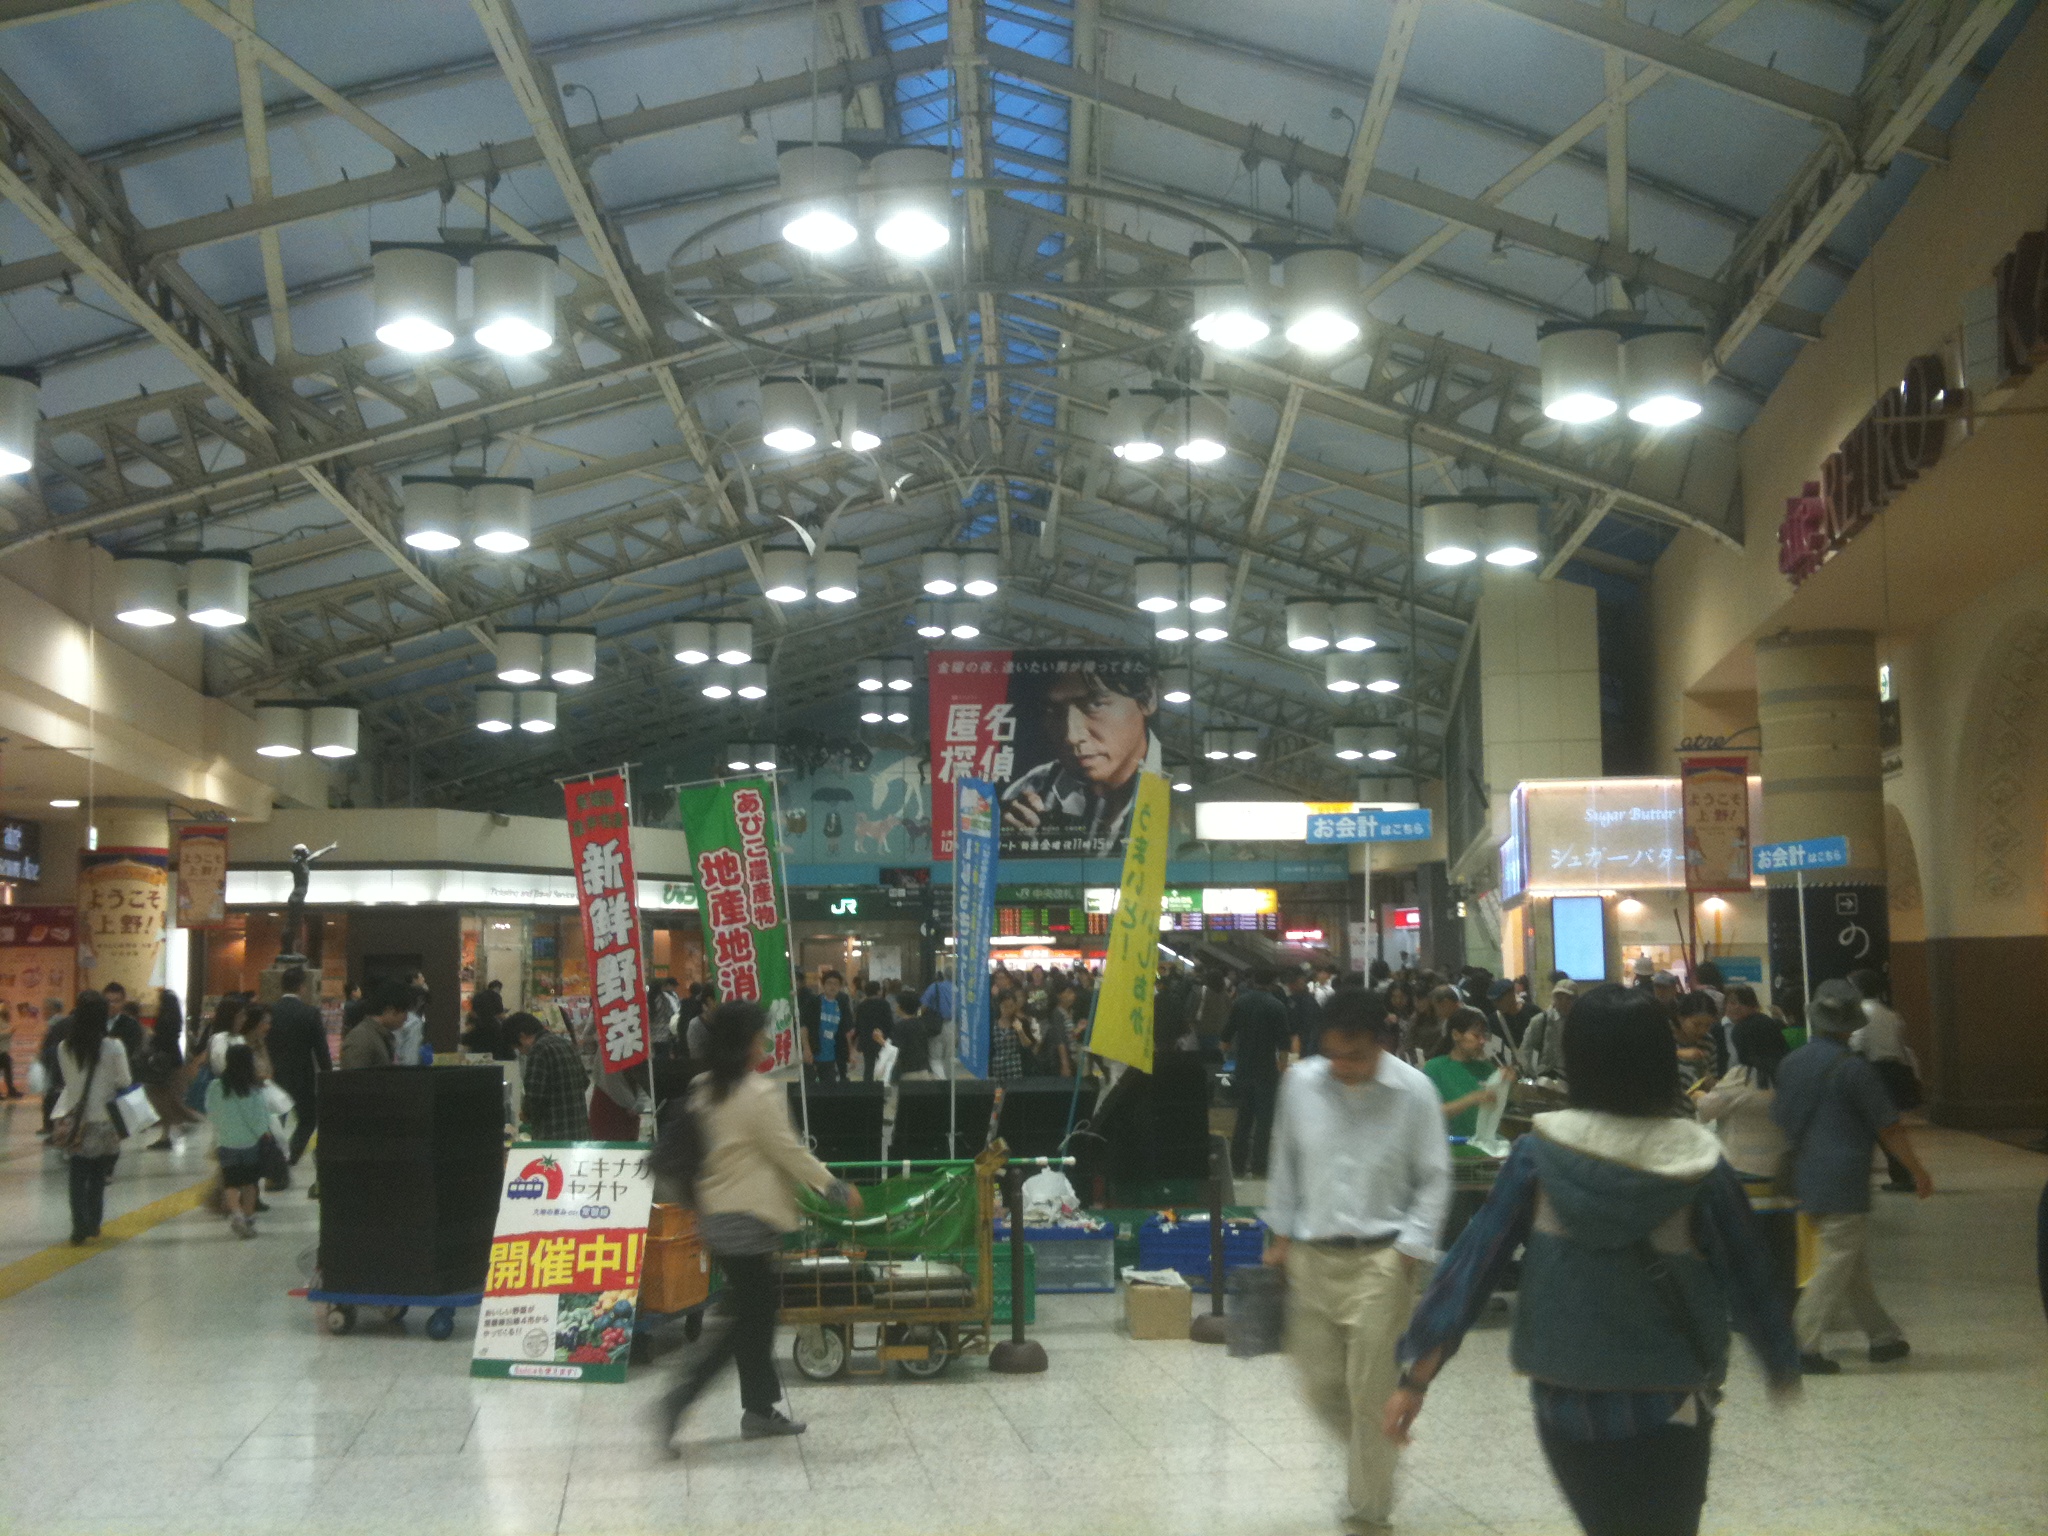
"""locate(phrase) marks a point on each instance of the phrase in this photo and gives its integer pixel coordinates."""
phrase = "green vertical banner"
(730, 827)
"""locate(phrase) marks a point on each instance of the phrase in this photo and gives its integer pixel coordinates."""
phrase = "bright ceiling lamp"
(871, 715)
(1178, 776)
(1204, 428)
(1216, 745)
(1133, 425)
(331, 731)
(217, 590)
(501, 515)
(436, 512)
(961, 623)
(1244, 745)
(732, 641)
(145, 591)
(1343, 672)
(980, 573)
(1208, 586)
(912, 201)
(494, 711)
(739, 757)
(1231, 296)
(520, 658)
(764, 757)
(871, 679)
(414, 292)
(835, 574)
(1513, 532)
(818, 184)
(898, 673)
(280, 730)
(1382, 743)
(21, 403)
(931, 625)
(1382, 673)
(898, 715)
(690, 641)
(1348, 742)
(572, 657)
(1308, 624)
(854, 408)
(1450, 530)
(1177, 685)
(1158, 585)
(1169, 628)
(717, 683)
(1321, 298)
(1663, 373)
(938, 572)
(515, 299)
(1581, 366)
(789, 415)
(784, 573)
(1354, 626)
(537, 712)
(751, 681)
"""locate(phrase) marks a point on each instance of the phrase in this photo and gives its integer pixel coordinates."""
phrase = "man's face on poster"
(1101, 733)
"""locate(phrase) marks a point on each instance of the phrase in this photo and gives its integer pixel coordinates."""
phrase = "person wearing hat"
(1642, 971)
(1543, 1040)
(1512, 1009)
(1833, 1108)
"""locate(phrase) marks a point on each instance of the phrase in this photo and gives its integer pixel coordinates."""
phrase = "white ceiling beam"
(1379, 107)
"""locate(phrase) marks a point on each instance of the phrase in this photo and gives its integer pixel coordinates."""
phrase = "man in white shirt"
(1882, 1042)
(1361, 1182)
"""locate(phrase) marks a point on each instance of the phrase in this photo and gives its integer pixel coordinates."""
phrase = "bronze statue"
(295, 909)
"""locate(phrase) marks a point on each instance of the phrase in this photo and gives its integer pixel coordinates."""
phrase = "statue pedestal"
(270, 984)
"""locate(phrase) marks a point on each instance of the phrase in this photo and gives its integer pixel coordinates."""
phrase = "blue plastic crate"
(1184, 1245)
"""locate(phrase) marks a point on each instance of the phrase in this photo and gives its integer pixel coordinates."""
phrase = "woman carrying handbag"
(95, 1067)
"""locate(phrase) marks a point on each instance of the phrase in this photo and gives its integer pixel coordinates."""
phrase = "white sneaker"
(240, 1225)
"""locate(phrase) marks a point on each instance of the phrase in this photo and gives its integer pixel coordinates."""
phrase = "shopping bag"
(1255, 1321)
(38, 1079)
(131, 1111)
(195, 1095)
(885, 1063)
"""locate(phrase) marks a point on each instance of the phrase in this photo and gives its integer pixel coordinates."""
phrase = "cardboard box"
(670, 1221)
(1158, 1311)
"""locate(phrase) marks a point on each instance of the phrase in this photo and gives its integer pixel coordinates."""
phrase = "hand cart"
(336, 1310)
(925, 1308)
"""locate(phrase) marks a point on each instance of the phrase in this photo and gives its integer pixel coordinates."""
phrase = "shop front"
(866, 933)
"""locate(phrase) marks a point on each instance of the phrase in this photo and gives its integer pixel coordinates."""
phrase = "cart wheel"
(939, 1340)
(440, 1323)
(341, 1319)
(693, 1326)
(395, 1316)
(820, 1353)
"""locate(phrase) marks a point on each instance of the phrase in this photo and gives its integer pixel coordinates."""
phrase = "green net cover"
(915, 1214)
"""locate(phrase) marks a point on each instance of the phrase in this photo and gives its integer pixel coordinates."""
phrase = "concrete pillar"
(1817, 712)
(124, 899)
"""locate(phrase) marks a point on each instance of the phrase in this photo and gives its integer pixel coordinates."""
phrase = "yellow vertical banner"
(1123, 1004)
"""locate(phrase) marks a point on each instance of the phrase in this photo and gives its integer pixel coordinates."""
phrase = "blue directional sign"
(1806, 854)
(1368, 826)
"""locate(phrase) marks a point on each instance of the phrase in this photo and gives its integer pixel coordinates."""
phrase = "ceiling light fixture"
(280, 730)
(732, 641)
(1382, 673)
(751, 680)
(1216, 745)
(980, 573)
(835, 574)
(1343, 672)
(930, 625)
(501, 514)
(871, 679)
(1205, 428)
(872, 715)
(899, 674)
(854, 409)
(1382, 743)
(1663, 371)
(332, 730)
(1321, 297)
(436, 512)
(1244, 745)
(217, 590)
(1308, 624)
(1348, 742)
(1232, 299)
(739, 757)
(690, 641)
(1354, 625)
(1581, 366)
(1169, 628)
(494, 711)
(913, 201)
(413, 288)
(1450, 530)
(962, 625)
(537, 712)
(784, 573)
(572, 656)
(520, 658)
(789, 414)
(898, 715)
(717, 682)
(63, 805)
(1158, 585)
(1513, 533)
(515, 299)
(145, 590)
(21, 403)
(1179, 777)
(1132, 426)
(818, 186)
(1178, 685)
(939, 572)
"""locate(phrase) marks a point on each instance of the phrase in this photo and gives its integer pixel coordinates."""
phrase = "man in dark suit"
(299, 1054)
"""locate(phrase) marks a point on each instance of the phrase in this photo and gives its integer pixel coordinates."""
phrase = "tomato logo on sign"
(542, 1176)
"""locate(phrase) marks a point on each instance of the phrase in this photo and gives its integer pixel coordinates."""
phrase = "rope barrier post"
(1016, 1355)
(1210, 1328)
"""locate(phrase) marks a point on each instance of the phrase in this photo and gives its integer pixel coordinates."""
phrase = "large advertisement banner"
(121, 917)
(1123, 1007)
(974, 919)
(564, 1279)
(1062, 735)
(202, 876)
(730, 827)
(38, 966)
(601, 854)
(1714, 797)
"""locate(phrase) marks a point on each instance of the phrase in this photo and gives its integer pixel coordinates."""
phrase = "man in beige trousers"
(1360, 1184)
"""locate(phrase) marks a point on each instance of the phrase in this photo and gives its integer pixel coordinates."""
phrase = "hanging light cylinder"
(1133, 425)
(717, 682)
(217, 590)
(732, 641)
(494, 711)
(871, 679)
(1308, 624)
(1450, 530)
(1216, 745)
(938, 572)
(789, 414)
(1177, 685)
(739, 757)
(980, 573)
(515, 298)
(1208, 586)
(854, 408)
(913, 206)
(436, 513)
(930, 624)
(21, 404)
(961, 623)
(690, 641)
(1381, 672)
(1232, 296)
(413, 288)
(1581, 366)
(500, 515)
(784, 574)
(331, 731)
(572, 657)
(1348, 742)
(1321, 298)
(899, 674)
(1382, 742)
(835, 574)
(1354, 626)
(1343, 672)
(1513, 532)
(280, 730)
(1158, 585)
(750, 680)
(537, 711)
(1170, 628)
(1663, 374)
(520, 655)
(1204, 428)
(145, 591)
(818, 186)
(1244, 745)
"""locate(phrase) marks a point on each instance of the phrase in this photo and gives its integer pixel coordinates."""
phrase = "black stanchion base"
(1209, 1328)
(1017, 1357)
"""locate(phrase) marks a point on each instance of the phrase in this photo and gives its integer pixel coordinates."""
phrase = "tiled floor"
(169, 1385)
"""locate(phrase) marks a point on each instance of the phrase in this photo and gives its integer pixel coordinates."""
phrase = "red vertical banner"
(1715, 802)
(601, 856)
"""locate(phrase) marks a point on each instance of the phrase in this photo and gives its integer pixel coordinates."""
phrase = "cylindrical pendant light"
(931, 624)
(764, 757)
(1383, 742)
(1231, 297)
(1134, 431)
(899, 675)
(1381, 672)
(784, 575)
(739, 757)
(537, 711)
(1663, 373)
(1321, 299)
(690, 641)
(495, 711)
(1170, 628)
(717, 682)
(501, 515)
(331, 730)
(1581, 366)
(980, 573)
(217, 590)
(414, 293)
(572, 656)
(1348, 742)
(1450, 530)
(854, 410)
(871, 679)
(280, 730)
(818, 185)
(1158, 585)
(521, 657)
(1354, 626)
(835, 574)
(897, 714)
(750, 680)
(21, 404)
(1308, 624)
(515, 298)
(145, 591)
(1244, 745)
(961, 622)
(1203, 428)
(732, 641)
(1343, 672)
(789, 415)
(913, 207)
(1216, 745)
(1179, 778)
(1208, 586)
(938, 571)
(1177, 685)
(871, 714)
(1396, 791)
(1513, 531)
(436, 513)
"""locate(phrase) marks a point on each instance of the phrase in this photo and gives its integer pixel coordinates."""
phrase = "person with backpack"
(241, 1119)
(731, 1146)
(95, 1066)
(1640, 1247)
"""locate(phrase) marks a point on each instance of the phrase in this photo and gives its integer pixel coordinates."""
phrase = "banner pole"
(1805, 964)
(803, 1085)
